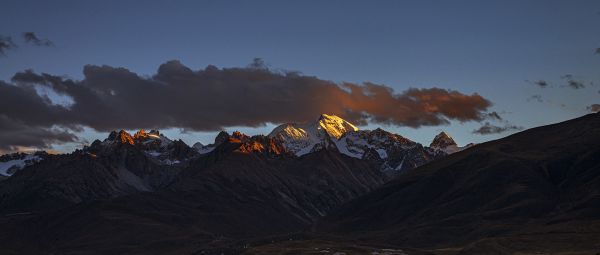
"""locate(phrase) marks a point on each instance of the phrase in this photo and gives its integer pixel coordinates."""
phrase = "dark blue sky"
(487, 47)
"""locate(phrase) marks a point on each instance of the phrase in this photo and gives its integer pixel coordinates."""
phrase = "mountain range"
(305, 186)
(394, 152)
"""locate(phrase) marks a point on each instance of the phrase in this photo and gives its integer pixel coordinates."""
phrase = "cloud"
(488, 129)
(536, 97)
(31, 37)
(211, 99)
(594, 108)
(572, 83)
(6, 43)
(597, 51)
(494, 116)
(575, 84)
(539, 83)
(15, 134)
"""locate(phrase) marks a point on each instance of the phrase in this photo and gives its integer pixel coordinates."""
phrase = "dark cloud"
(488, 129)
(15, 134)
(572, 83)
(210, 99)
(575, 84)
(6, 43)
(494, 116)
(536, 98)
(31, 37)
(594, 108)
(539, 83)
(597, 51)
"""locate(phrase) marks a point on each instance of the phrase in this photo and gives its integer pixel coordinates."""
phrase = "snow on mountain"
(394, 152)
(301, 138)
(203, 149)
(155, 145)
(356, 143)
(334, 125)
(153, 138)
(443, 142)
(11, 163)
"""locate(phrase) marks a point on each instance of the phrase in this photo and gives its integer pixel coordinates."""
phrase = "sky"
(513, 65)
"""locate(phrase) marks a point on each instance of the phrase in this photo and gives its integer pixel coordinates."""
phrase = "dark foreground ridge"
(534, 191)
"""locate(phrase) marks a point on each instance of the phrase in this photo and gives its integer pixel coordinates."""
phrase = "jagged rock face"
(158, 147)
(259, 144)
(443, 145)
(442, 140)
(394, 152)
(301, 139)
(238, 137)
(295, 139)
(11, 163)
(221, 138)
(121, 136)
(355, 143)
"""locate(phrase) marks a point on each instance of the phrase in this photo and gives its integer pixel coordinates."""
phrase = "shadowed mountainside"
(537, 190)
(113, 198)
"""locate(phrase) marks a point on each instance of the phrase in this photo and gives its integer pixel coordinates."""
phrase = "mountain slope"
(444, 144)
(63, 180)
(246, 187)
(11, 163)
(300, 139)
(392, 152)
(534, 191)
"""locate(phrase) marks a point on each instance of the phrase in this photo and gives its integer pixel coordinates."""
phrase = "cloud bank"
(210, 99)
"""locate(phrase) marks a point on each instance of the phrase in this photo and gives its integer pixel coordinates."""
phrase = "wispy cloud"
(572, 83)
(536, 97)
(539, 83)
(31, 37)
(6, 43)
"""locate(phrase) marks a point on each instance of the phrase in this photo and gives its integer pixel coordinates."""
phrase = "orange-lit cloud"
(210, 99)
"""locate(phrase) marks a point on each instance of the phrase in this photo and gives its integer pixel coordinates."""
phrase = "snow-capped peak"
(335, 126)
(154, 144)
(300, 138)
(442, 140)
